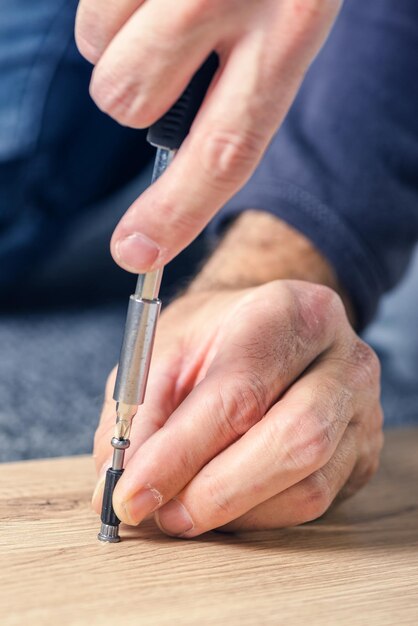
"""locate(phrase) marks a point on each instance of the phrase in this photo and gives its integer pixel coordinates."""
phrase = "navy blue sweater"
(343, 169)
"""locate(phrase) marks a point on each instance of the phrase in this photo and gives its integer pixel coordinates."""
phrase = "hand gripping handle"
(173, 127)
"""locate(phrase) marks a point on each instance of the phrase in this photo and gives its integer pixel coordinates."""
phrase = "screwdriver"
(167, 135)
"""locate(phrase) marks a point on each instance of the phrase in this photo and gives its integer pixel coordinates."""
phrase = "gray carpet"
(52, 372)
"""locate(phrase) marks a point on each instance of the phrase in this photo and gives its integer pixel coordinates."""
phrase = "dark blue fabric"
(59, 155)
(343, 168)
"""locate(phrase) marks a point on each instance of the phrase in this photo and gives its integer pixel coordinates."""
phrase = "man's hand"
(146, 53)
(262, 405)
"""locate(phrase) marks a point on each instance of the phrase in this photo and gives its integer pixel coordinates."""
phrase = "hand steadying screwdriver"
(144, 306)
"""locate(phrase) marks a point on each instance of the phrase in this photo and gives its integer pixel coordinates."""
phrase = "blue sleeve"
(343, 168)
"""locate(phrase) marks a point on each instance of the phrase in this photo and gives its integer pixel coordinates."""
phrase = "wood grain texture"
(357, 565)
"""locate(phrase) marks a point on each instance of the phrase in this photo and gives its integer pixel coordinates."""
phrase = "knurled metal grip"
(170, 130)
(135, 356)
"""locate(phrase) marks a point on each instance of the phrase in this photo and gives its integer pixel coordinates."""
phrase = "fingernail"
(137, 252)
(174, 519)
(141, 504)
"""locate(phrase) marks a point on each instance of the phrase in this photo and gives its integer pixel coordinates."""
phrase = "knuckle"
(360, 477)
(229, 156)
(320, 310)
(111, 95)
(317, 496)
(336, 401)
(221, 503)
(120, 95)
(365, 365)
(134, 110)
(86, 48)
(369, 472)
(313, 443)
(193, 13)
(104, 87)
(88, 33)
(241, 404)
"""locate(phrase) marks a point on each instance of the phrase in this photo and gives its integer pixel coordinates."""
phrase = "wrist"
(259, 248)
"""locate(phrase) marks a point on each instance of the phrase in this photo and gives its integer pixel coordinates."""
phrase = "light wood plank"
(358, 565)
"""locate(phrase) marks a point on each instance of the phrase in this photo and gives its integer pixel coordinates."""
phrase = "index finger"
(251, 95)
(297, 437)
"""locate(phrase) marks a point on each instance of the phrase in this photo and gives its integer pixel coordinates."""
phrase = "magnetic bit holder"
(109, 530)
(129, 393)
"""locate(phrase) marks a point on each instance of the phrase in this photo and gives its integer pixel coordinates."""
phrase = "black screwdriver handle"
(171, 129)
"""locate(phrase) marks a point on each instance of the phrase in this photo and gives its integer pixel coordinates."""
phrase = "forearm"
(259, 248)
(342, 169)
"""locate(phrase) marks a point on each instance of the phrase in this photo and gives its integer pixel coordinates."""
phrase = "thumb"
(214, 161)
(171, 213)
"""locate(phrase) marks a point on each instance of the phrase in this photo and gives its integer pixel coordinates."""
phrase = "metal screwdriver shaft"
(144, 306)
(143, 311)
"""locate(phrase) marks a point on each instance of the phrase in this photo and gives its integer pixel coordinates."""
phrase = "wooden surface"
(358, 565)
